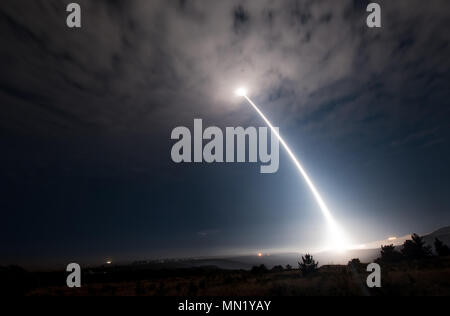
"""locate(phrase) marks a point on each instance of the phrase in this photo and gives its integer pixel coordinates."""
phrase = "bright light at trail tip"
(241, 92)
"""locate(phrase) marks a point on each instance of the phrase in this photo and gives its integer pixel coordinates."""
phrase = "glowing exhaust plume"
(339, 241)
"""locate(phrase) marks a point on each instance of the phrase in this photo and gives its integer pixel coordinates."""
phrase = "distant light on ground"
(108, 262)
(260, 255)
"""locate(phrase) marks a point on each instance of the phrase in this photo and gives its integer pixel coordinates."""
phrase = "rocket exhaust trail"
(338, 237)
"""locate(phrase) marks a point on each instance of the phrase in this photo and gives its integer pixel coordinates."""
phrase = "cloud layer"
(137, 64)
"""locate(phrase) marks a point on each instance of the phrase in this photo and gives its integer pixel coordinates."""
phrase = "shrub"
(278, 269)
(441, 249)
(355, 263)
(308, 265)
(259, 269)
(15, 281)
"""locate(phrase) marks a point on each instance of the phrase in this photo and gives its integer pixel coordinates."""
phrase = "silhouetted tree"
(278, 269)
(259, 269)
(389, 254)
(441, 249)
(416, 248)
(288, 267)
(355, 263)
(308, 266)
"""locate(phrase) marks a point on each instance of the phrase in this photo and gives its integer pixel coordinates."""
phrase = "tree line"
(414, 249)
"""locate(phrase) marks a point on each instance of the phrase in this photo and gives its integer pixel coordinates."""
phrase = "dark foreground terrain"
(426, 277)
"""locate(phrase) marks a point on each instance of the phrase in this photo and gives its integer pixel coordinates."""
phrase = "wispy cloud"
(136, 65)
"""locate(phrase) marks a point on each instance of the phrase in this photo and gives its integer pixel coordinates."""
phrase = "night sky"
(86, 117)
